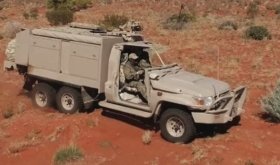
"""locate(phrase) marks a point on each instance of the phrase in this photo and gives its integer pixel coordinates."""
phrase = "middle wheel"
(69, 100)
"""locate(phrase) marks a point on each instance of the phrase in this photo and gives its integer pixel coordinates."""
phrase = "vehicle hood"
(190, 83)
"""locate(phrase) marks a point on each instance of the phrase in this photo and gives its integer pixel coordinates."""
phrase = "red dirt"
(117, 140)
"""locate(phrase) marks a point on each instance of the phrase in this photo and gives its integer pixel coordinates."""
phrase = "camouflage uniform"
(132, 75)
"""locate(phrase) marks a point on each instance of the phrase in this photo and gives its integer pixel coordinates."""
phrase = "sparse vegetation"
(277, 9)
(249, 162)
(61, 12)
(60, 16)
(8, 113)
(257, 33)
(271, 104)
(92, 122)
(253, 9)
(228, 25)
(74, 5)
(18, 147)
(178, 21)
(114, 21)
(32, 13)
(147, 137)
(68, 154)
(105, 144)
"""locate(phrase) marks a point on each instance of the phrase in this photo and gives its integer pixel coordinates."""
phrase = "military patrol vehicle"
(72, 67)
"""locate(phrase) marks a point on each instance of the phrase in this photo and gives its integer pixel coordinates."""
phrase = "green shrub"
(271, 104)
(60, 16)
(252, 10)
(178, 21)
(228, 25)
(68, 154)
(257, 33)
(113, 21)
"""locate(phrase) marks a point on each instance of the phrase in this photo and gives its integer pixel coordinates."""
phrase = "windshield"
(155, 58)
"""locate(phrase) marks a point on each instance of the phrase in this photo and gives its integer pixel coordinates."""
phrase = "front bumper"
(224, 109)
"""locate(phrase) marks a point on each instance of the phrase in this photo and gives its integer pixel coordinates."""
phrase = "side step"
(124, 109)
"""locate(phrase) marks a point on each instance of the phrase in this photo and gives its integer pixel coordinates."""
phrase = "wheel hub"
(67, 102)
(175, 127)
(41, 98)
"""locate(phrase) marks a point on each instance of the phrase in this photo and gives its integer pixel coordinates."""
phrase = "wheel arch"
(165, 105)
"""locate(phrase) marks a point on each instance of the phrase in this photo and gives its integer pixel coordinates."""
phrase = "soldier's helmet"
(133, 56)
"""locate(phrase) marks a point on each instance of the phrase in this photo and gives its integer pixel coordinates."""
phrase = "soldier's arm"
(144, 64)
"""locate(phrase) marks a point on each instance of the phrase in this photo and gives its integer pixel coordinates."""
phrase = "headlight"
(204, 101)
(208, 101)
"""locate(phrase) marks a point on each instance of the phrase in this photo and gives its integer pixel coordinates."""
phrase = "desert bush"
(178, 21)
(257, 33)
(11, 28)
(113, 21)
(32, 13)
(147, 137)
(277, 9)
(60, 16)
(228, 25)
(68, 154)
(253, 9)
(81, 4)
(271, 104)
(8, 113)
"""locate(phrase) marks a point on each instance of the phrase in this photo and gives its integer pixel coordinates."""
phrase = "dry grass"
(8, 112)
(20, 146)
(56, 133)
(33, 135)
(198, 153)
(105, 144)
(147, 137)
(92, 122)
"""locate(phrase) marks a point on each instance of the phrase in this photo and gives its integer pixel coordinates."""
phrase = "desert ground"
(31, 136)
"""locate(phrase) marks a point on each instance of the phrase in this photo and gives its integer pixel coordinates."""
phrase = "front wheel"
(69, 100)
(177, 126)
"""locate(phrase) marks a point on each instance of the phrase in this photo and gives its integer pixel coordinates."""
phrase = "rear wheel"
(43, 95)
(177, 126)
(69, 100)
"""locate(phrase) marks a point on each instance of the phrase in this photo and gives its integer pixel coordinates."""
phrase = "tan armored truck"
(72, 67)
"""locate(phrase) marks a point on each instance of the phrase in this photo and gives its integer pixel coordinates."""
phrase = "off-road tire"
(69, 100)
(43, 95)
(184, 118)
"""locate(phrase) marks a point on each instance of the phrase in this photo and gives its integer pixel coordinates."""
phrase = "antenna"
(218, 61)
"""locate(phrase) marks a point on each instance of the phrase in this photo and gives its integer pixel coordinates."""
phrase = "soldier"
(133, 73)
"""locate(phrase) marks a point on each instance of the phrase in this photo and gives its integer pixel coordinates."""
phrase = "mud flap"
(28, 83)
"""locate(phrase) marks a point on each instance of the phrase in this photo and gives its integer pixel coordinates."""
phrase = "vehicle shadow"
(206, 130)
